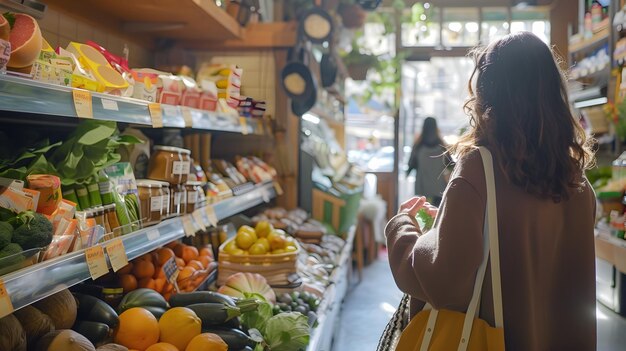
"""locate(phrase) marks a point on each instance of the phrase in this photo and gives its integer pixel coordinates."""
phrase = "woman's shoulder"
(470, 167)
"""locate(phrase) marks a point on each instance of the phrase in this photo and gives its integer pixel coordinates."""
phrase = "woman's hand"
(414, 204)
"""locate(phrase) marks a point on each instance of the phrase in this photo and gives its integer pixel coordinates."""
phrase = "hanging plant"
(352, 15)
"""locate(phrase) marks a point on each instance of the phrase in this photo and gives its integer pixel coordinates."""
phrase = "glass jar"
(150, 201)
(165, 200)
(178, 203)
(113, 295)
(193, 195)
(170, 164)
(110, 215)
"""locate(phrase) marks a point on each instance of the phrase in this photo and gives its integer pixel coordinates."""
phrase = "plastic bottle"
(619, 167)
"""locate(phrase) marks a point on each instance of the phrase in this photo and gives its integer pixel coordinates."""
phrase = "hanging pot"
(298, 82)
(352, 16)
(358, 71)
(328, 67)
(369, 5)
(317, 25)
(300, 107)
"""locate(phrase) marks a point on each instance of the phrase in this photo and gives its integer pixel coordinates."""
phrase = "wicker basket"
(275, 268)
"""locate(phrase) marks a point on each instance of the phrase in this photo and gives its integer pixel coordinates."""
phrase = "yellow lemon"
(245, 239)
(258, 249)
(263, 228)
(264, 242)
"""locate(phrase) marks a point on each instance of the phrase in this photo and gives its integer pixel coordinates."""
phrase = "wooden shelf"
(589, 43)
(176, 19)
(257, 36)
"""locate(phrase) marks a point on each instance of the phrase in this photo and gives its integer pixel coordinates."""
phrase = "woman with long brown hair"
(519, 111)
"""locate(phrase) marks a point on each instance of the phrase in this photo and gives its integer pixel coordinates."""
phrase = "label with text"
(210, 213)
(96, 262)
(109, 105)
(187, 117)
(170, 268)
(156, 115)
(156, 203)
(181, 167)
(6, 306)
(188, 227)
(199, 218)
(117, 254)
(82, 103)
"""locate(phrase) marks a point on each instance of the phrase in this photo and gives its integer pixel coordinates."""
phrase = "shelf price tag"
(82, 103)
(96, 262)
(117, 254)
(171, 270)
(109, 105)
(278, 188)
(265, 195)
(260, 126)
(187, 117)
(6, 306)
(153, 234)
(188, 227)
(156, 114)
(199, 218)
(244, 125)
(210, 213)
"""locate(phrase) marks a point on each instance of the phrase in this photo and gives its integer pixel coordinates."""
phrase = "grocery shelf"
(36, 282)
(597, 38)
(200, 20)
(24, 95)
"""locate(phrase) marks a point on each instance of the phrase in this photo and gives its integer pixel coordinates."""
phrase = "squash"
(207, 341)
(162, 346)
(238, 284)
(61, 307)
(142, 298)
(178, 326)
(64, 340)
(35, 323)
(112, 347)
(12, 335)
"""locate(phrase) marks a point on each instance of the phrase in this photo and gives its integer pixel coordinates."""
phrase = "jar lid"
(148, 183)
(172, 149)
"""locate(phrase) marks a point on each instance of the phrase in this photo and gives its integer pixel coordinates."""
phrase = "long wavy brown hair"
(519, 109)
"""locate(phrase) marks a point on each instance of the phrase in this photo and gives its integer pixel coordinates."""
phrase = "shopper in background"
(519, 110)
(429, 160)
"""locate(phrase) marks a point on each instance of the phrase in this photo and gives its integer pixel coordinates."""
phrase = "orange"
(143, 269)
(168, 287)
(205, 251)
(159, 273)
(167, 295)
(178, 250)
(128, 282)
(189, 253)
(137, 329)
(207, 341)
(172, 245)
(159, 284)
(195, 264)
(127, 269)
(178, 326)
(205, 260)
(162, 346)
(145, 257)
(147, 283)
(180, 263)
(165, 254)
(184, 277)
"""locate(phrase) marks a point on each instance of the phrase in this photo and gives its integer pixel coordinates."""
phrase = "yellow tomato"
(245, 239)
(263, 228)
(258, 249)
(264, 242)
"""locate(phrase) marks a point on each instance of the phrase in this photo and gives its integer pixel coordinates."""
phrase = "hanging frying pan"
(369, 5)
(300, 107)
(296, 76)
(316, 24)
(328, 67)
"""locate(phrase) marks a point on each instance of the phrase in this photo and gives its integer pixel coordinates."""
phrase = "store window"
(460, 26)
(495, 24)
(531, 20)
(420, 26)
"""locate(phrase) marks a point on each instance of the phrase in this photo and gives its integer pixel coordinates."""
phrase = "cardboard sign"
(82, 103)
(156, 115)
(96, 262)
(170, 268)
(6, 306)
(117, 254)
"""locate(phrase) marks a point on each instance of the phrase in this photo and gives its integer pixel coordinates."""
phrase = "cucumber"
(95, 310)
(235, 338)
(185, 299)
(95, 332)
(214, 313)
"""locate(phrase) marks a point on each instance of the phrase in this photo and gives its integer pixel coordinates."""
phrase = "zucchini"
(95, 310)
(235, 338)
(95, 332)
(185, 299)
(156, 311)
(214, 313)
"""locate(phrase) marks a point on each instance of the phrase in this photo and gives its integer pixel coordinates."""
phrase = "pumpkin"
(178, 326)
(64, 340)
(138, 329)
(162, 346)
(207, 341)
(238, 284)
(35, 323)
(61, 307)
(112, 347)
(12, 335)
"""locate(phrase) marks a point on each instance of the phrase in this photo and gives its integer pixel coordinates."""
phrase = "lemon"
(246, 229)
(230, 247)
(263, 228)
(245, 239)
(264, 242)
(276, 241)
(258, 249)
(238, 251)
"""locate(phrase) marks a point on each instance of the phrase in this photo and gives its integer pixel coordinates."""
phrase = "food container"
(195, 194)
(170, 164)
(110, 215)
(165, 200)
(150, 201)
(178, 202)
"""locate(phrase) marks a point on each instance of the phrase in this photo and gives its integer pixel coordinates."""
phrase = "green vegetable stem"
(94, 194)
(70, 195)
(83, 196)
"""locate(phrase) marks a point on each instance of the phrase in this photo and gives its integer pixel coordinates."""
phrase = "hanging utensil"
(316, 24)
(369, 5)
(328, 66)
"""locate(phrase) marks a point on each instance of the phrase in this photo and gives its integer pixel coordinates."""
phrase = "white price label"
(210, 213)
(181, 167)
(153, 235)
(192, 197)
(109, 105)
(156, 203)
(187, 117)
(188, 227)
(199, 218)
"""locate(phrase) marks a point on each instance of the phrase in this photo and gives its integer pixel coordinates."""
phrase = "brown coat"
(546, 253)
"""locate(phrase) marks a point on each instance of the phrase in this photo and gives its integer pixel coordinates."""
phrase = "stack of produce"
(295, 222)
(22, 237)
(262, 250)
(147, 271)
(317, 265)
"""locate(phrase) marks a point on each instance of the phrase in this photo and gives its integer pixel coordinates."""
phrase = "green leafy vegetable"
(425, 220)
(287, 332)
(257, 319)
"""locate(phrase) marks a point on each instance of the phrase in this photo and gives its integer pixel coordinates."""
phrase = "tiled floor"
(370, 304)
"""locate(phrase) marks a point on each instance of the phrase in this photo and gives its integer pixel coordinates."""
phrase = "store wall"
(562, 15)
(59, 28)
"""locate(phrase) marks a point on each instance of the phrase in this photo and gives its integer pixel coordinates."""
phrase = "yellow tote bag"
(443, 330)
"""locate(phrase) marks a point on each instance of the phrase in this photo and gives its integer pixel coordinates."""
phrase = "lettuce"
(257, 319)
(287, 332)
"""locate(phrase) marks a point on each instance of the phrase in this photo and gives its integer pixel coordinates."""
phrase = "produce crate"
(338, 209)
(275, 268)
